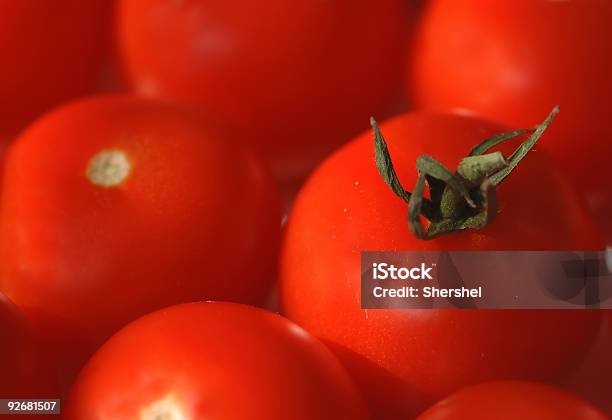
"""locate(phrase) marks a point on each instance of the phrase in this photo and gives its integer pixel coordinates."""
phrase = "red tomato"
(52, 51)
(25, 373)
(116, 206)
(213, 360)
(594, 378)
(512, 61)
(407, 359)
(295, 78)
(510, 400)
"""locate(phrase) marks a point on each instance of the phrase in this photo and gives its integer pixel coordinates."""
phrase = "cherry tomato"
(593, 380)
(115, 206)
(512, 61)
(25, 372)
(407, 359)
(513, 400)
(52, 51)
(214, 360)
(295, 78)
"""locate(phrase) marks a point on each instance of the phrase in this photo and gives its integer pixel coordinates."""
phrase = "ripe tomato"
(52, 51)
(593, 380)
(512, 61)
(295, 78)
(213, 360)
(25, 373)
(513, 400)
(406, 359)
(116, 206)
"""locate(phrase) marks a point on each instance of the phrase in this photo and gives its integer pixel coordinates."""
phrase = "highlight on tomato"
(405, 360)
(214, 360)
(115, 206)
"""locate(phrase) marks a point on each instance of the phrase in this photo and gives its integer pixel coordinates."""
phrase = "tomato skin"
(593, 380)
(294, 77)
(407, 359)
(497, 68)
(511, 400)
(196, 218)
(25, 371)
(51, 52)
(216, 361)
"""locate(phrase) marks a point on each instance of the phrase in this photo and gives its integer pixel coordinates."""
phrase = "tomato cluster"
(176, 171)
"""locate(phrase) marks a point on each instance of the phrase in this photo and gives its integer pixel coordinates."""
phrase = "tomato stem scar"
(109, 168)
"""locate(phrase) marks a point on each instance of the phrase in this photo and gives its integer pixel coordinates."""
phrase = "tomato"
(512, 400)
(407, 359)
(512, 61)
(51, 52)
(115, 206)
(594, 378)
(213, 360)
(25, 372)
(294, 78)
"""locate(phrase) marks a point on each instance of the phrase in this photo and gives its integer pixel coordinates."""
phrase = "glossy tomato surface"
(513, 61)
(25, 371)
(407, 359)
(115, 206)
(295, 78)
(510, 400)
(51, 52)
(214, 361)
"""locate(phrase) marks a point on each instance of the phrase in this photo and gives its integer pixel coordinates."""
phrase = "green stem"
(385, 165)
(524, 148)
(428, 165)
(491, 142)
(476, 168)
(388, 174)
(473, 183)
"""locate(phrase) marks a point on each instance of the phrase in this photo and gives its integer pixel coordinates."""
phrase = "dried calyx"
(462, 199)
